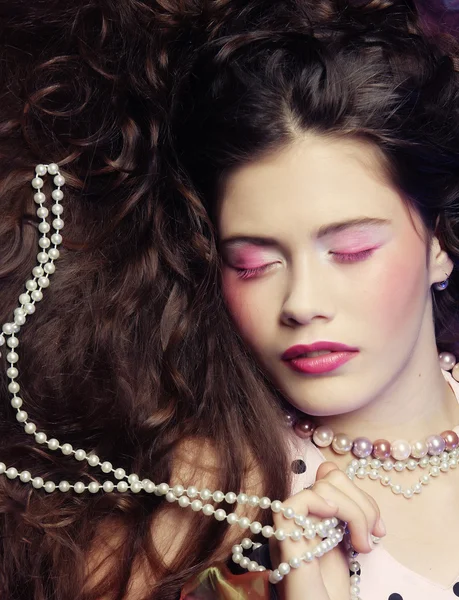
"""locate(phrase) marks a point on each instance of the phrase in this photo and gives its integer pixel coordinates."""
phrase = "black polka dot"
(395, 597)
(298, 466)
(456, 589)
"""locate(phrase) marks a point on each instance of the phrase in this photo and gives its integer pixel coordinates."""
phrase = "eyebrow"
(329, 229)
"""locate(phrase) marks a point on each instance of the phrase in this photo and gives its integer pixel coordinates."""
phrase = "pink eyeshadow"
(249, 257)
(355, 241)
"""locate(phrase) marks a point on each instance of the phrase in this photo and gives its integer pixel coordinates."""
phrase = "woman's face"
(324, 261)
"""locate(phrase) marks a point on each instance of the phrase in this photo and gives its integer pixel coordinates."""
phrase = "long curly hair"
(131, 354)
(363, 69)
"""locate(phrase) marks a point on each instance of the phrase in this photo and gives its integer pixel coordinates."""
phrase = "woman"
(328, 159)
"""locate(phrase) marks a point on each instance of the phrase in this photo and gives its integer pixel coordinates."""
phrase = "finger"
(364, 500)
(352, 513)
(379, 528)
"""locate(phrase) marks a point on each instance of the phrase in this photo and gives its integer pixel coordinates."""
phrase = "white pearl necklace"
(433, 466)
(330, 531)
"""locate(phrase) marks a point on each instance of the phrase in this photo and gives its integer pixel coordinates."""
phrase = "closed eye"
(350, 257)
(255, 272)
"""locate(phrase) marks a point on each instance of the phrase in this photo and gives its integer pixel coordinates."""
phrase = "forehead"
(313, 181)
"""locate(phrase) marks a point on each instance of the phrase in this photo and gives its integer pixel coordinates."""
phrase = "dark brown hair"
(131, 354)
(362, 69)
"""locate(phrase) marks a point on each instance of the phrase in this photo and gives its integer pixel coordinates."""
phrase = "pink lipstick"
(318, 358)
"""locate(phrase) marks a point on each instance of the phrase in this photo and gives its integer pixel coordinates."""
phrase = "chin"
(323, 405)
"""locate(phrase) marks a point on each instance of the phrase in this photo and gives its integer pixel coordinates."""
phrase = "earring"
(441, 285)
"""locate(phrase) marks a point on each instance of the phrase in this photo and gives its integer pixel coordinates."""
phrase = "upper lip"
(299, 349)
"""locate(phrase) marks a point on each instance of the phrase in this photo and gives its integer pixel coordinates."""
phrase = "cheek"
(400, 292)
(249, 313)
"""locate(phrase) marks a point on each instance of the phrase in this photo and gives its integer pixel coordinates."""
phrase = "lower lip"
(324, 363)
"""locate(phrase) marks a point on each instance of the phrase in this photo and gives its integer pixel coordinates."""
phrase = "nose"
(308, 296)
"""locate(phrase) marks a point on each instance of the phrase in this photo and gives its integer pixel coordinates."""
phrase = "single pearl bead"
(455, 372)
(57, 195)
(108, 486)
(12, 473)
(295, 562)
(284, 568)
(267, 531)
(122, 486)
(280, 535)
(40, 170)
(342, 444)
(56, 238)
(304, 429)
(208, 510)
(323, 436)
(400, 449)
(67, 449)
(43, 228)
(447, 360)
(93, 487)
(25, 476)
(232, 518)
(42, 212)
(53, 169)
(381, 449)
(362, 447)
(121, 473)
(264, 502)
(451, 439)
(50, 487)
(37, 183)
(436, 444)
(419, 449)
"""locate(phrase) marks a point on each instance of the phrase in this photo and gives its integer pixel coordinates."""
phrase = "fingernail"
(381, 527)
(371, 542)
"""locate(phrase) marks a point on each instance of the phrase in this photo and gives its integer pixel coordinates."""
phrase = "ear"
(440, 264)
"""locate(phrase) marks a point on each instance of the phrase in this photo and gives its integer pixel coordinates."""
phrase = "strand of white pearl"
(435, 465)
(177, 493)
(332, 534)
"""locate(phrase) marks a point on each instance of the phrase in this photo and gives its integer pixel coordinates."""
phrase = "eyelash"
(341, 257)
(353, 256)
(248, 273)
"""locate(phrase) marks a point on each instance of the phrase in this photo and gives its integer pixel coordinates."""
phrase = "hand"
(333, 495)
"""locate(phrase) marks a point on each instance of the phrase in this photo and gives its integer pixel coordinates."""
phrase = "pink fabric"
(383, 577)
